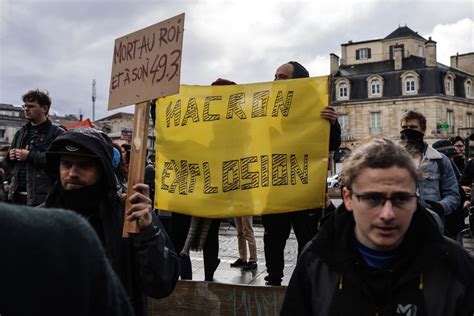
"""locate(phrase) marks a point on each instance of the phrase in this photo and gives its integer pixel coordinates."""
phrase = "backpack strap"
(440, 164)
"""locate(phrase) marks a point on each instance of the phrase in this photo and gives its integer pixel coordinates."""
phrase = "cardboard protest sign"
(238, 150)
(147, 63)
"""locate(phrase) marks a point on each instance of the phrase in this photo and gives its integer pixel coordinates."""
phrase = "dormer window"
(343, 89)
(449, 83)
(363, 53)
(410, 83)
(375, 86)
(468, 89)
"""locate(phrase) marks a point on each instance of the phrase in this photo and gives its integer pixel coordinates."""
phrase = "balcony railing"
(346, 136)
(375, 130)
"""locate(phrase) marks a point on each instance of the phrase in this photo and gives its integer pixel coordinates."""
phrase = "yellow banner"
(238, 150)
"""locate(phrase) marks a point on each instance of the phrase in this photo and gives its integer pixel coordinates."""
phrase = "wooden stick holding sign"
(146, 65)
(137, 159)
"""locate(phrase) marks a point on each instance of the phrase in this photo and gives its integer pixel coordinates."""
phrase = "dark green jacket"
(38, 183)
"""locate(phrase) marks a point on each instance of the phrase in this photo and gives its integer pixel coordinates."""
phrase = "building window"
(343, 89)
(2, 133)
(410, 83)
(468, 88)
(344, 122)
(375, 86)
(363, 53)
(469, 120)
(375, 125)
(449, 83)
(450, 120)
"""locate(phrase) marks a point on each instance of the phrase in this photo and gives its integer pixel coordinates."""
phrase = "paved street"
(228, 253)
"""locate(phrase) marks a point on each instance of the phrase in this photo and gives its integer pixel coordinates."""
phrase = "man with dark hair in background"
(454, 222)
(439, 188)
(459, 158)
(26, 157)
(304, 222)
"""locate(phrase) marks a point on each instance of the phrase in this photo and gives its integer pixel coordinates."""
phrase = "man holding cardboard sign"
(146, 264)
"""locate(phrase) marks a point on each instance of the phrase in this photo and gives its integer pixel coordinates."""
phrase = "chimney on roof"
(398, 56)
(430, 51)
(333, 63)
(455, 61)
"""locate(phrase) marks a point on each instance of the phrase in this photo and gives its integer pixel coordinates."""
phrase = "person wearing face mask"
(438, 188)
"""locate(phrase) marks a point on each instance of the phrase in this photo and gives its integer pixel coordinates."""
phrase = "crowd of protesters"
(80, 171)
(398, 199)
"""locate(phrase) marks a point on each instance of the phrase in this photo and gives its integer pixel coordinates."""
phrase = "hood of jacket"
(93, 143)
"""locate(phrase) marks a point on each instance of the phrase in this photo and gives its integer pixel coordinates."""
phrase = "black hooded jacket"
(432, 275)
(147, 263)
(63, 271)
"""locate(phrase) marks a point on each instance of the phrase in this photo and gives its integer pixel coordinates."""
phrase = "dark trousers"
(179, 231)
(277, 230)
(211, 250)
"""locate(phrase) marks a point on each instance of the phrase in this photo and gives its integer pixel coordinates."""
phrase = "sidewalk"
(229, 252)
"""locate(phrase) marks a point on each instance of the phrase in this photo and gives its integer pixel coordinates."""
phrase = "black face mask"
(412, 139)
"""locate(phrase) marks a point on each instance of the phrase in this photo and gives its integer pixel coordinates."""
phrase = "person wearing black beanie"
(305, 222)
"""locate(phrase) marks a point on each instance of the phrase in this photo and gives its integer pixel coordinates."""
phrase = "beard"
(84, 200)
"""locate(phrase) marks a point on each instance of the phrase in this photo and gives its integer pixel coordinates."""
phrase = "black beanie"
(299, 71)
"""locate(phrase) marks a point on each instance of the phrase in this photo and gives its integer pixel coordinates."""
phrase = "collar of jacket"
(43, 127)
(431, 153)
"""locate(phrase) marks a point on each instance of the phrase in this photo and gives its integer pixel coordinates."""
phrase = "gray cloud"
(62, 45)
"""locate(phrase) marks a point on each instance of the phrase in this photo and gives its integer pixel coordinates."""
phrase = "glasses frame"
(383, 198)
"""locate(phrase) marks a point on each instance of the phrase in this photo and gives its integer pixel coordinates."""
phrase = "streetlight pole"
(93, 99)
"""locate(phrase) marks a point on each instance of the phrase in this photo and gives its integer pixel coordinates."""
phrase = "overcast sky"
(62, 45)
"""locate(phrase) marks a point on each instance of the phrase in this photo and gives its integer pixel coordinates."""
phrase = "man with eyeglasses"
(438, 187)
(459, 158)
(380, 253)
(26, 157)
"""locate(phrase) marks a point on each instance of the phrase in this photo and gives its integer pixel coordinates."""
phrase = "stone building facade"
(119, 127)
(375, 82)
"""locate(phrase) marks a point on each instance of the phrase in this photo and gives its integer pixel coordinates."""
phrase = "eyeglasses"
(376, 200)
(459, 146)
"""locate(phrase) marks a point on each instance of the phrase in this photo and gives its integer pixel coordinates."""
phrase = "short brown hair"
(413, 115)
(377, 153)
(42, 97)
